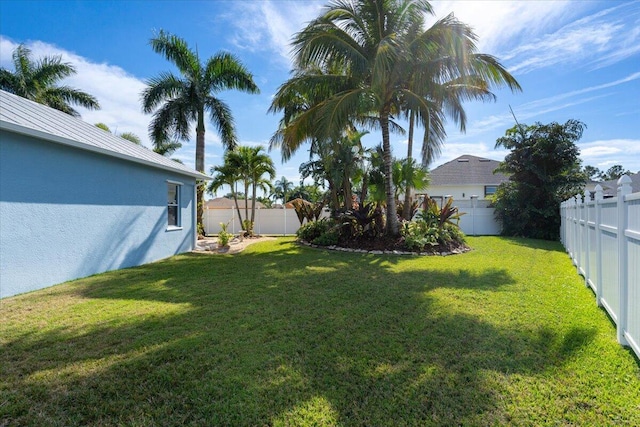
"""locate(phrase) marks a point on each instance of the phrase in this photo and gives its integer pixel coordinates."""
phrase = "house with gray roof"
(76, 200)
(465, 176)
(610, 188)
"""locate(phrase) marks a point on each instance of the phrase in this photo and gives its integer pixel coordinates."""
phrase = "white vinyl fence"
(477, 221)
(267, 221)
(602, 237)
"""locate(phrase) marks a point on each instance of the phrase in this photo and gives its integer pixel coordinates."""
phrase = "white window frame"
(178, 186)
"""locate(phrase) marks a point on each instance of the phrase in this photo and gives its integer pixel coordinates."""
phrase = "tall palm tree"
(178, 101)
(445, 68)
(372, 42)
(38, 80)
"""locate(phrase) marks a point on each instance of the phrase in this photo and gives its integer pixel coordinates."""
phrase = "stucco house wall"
(68, 212)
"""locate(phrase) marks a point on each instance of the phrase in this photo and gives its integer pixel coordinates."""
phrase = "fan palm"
(178, 101)
(37, 81)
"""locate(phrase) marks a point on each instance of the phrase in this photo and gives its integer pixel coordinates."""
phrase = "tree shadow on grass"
(252, 343)
(545, 245)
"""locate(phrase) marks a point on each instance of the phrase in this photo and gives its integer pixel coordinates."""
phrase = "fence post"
(578, 238)
(587, 242)
(624, 188)
(598, 201)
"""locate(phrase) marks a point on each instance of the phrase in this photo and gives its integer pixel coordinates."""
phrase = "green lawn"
(284, 335)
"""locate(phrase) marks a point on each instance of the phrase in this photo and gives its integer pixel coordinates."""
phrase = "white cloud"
(117, 91)
(499, 23)
(607, 152)
(531, 34)
(264, 25)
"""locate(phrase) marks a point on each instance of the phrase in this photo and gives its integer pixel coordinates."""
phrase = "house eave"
(23, 130)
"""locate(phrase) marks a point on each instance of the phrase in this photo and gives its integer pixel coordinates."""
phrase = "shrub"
(314, 229)
(224, 236)
(328, 238)
(435, 226)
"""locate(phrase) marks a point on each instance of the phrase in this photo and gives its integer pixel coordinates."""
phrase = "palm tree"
(178, 101)
(282, 188)
(445, 78)
(225, 174)
(372, 43)
(258, 165)
(37, 81)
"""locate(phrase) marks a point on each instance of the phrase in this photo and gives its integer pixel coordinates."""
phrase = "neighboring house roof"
(610, 188)
(224, 203)
(467, 169)
(22, 116)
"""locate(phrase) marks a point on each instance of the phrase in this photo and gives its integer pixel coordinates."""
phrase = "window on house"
(173, 204)
(490, 190)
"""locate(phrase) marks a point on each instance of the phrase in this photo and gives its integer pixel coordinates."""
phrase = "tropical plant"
(224, 236)
(544, 169)
(38, 81)
(436, 216)
(103, 127)
(225, 174)
(367, 221)
(365, 49)
(257, 165)
(129, 136)
(434, 227)
(323, 232)
(166, 147)
(178, 101)
(282, 189)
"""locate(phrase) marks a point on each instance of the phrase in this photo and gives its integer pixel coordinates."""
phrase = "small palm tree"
(252, 164)
(225, 174)
(37, 81)
(178, 101)
(282, 188)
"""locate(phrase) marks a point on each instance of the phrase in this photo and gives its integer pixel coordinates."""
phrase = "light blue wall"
(67, 213)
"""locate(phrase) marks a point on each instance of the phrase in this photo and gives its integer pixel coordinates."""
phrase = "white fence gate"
(478, 218)
(602, 237)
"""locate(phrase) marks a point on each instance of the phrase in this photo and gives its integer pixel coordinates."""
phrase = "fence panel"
(602, 237)
(476, 221)
(632, 242)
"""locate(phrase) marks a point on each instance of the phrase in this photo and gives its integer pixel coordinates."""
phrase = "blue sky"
(574, 60)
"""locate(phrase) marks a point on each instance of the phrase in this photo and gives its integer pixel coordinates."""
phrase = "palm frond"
(221, 117)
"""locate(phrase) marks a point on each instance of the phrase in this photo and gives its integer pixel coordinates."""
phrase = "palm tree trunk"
(246, 204)
(406, 207)
(346, 188)
(365, 188)
(253, 202)
(200, 166)
(392, 226)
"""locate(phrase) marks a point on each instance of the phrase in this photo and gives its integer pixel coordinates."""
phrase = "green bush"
(314, 229)
(330, 237)
(224, 236)
(435, 226)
